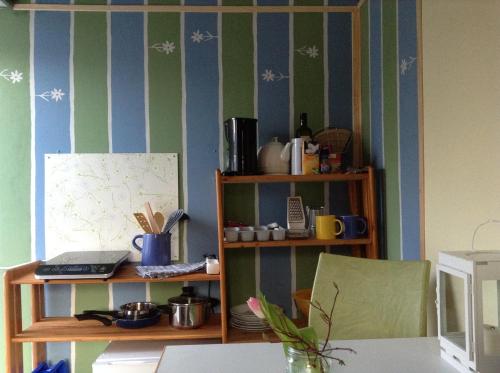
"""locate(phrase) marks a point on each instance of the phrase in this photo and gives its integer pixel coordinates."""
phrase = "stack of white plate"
(243, 318)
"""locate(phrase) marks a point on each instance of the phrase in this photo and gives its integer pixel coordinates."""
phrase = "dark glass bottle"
(304, 131)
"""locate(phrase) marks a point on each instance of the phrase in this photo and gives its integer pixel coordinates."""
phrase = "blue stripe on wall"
(340, 60)
(126, 293)
(57, 303)
(273, 114)
(340, 94)
(51, 75)
(127, 82)
(51, 60)
(408, 129)
(376, 115)
(202, 133)
(376, 84)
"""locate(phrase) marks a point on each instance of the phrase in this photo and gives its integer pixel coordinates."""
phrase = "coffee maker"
(241, 136)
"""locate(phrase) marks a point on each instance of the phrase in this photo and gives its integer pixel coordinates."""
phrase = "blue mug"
(355, 226)
(155, 249)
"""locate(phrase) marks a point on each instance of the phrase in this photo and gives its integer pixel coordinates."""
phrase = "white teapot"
(274, 158)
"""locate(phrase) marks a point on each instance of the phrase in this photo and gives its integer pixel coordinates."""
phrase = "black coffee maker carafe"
(241, 136)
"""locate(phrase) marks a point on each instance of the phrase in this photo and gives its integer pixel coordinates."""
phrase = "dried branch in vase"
(304, 340)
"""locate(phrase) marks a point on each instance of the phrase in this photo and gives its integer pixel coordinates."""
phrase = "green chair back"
(377, 298)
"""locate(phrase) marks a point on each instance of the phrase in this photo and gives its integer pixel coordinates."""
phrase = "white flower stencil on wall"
(56, 94)
(269, 76)
(406, 65)
(12, 76)
(166, 47)
(311, 51)
(198, 37)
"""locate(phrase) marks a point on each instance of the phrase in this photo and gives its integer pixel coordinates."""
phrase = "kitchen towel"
(170, 270)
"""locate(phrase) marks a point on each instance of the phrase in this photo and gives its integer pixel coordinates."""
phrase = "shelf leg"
(13, 325)
(39, 351)
(356, 251)
(220, 235)
(371, 214)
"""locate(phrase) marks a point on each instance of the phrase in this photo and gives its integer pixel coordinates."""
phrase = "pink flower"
(254, 305)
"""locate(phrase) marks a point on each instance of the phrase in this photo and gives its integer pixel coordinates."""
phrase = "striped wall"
(390, 119)
(157, 82)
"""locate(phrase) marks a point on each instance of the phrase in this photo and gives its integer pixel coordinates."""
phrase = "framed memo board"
(90, 199)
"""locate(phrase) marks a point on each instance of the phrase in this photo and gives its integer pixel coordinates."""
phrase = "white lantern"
(468, 307)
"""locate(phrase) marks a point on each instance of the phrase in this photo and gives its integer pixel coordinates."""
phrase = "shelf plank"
(125, 273)
(292, 178)
(60, 329)
(298, 243)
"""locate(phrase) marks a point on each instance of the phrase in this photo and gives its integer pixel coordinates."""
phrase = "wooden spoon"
(143, 222)
(152, 221)
(160, 219)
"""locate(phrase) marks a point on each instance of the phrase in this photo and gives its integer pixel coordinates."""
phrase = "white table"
(408, 355)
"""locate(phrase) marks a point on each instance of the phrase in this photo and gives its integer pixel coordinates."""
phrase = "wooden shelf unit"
(60, 329)
(362, 200)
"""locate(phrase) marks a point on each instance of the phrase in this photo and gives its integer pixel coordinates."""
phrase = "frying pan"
(122, 323)
(131, 315)
(129, 311)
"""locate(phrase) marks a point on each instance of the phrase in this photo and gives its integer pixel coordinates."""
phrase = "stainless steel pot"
(187, 312)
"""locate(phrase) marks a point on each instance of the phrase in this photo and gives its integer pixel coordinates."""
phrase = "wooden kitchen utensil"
(152, 221)
(160, 219)
(143, 222)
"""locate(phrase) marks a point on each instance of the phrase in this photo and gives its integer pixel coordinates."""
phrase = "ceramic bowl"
(262, 233)
(247, 234)
(231, 234)
(278, 234)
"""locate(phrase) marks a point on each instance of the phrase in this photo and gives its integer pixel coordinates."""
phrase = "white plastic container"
(278, 234)
(231, 234)
(247, 234)
(262, 233)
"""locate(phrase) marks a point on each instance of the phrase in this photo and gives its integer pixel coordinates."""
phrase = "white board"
(90, 199)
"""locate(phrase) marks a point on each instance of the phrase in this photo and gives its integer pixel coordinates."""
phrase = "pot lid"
(187, 300)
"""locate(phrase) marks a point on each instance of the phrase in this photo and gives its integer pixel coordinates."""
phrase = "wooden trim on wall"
(361, 3)
(421, 128)
(185, 8)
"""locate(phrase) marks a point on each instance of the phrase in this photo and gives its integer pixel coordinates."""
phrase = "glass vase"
(302, 362)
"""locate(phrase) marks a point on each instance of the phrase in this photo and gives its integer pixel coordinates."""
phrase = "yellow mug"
(328, 227)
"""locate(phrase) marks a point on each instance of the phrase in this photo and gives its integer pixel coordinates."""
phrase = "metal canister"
(297, 150)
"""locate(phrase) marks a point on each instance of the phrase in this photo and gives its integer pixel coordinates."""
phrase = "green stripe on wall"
(309, 98)
(15, 134)
(161, 291)
(165, 84)
(89, 297)
(91, 136)
(90, 82)
(86, 354)
(390, 71)
(238, 93)
(165, 93)
(365, 82)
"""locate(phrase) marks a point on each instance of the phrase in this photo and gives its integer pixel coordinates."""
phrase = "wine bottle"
(303, 131)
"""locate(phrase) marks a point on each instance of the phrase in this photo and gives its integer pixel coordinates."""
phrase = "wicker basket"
(337, 139)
